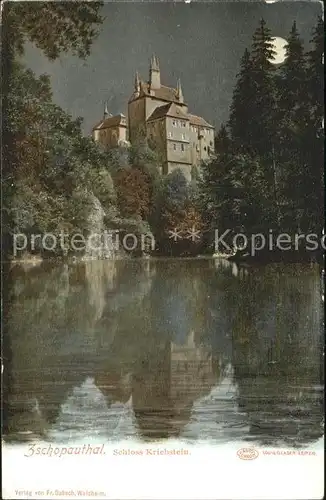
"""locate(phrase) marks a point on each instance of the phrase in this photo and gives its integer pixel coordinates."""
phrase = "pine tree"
(263, 52)
(292, 119)
(252, 116)
(314, 141)
(263, 104)
(235, 195)
(241, 112)
(300, 144)
(316, 73)
(222, 141)
(293, 90)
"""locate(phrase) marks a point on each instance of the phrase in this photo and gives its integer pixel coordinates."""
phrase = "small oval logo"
(247, 453)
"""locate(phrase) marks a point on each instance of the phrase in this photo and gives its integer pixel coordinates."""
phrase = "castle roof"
(171, 110)
(111, 121)
(199, 121)
(174, 111)
(163, 93)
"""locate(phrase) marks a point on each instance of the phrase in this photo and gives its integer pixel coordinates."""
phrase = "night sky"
(201, 43)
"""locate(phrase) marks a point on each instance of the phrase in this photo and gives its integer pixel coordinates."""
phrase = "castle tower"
(106, 113)
(179, 92)
(154, 74)
(137, 85)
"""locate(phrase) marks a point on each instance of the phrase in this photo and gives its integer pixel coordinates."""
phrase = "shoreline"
(293, 257)
(246, 260)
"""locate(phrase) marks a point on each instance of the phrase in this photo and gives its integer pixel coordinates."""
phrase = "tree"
(293, 123)
(241, 116)
(178, 213)
(70, 26)
(149, 162)
(301, 109)
(292, 99)
(133, 193)
(215, 186)
(314, 142)
(235, 195)
(253, 123)
(263, 103)
(58, 171)
(54, 27)
(252, 114)
(315, 73)
(223, 142)
(269, 173)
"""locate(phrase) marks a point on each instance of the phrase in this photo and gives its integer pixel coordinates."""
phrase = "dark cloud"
(201, 43)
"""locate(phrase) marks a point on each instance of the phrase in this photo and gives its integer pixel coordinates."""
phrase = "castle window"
(205, 149)
(170, 135)
(183, 124)
(182, 147)
(174, 123)
(183, 137)
(174, 147)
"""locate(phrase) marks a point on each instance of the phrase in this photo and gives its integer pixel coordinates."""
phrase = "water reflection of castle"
(192, 368)
(166, 386)
(162, 388)
(98, 346)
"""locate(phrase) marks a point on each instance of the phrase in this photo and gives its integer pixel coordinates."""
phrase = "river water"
(198, 349)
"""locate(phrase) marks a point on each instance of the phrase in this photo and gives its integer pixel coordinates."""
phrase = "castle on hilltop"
(161, 115)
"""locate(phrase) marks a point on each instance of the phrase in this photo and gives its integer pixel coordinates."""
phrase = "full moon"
(279, 47)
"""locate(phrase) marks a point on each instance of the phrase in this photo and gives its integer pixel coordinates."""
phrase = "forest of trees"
(267, 172)
(51, 171)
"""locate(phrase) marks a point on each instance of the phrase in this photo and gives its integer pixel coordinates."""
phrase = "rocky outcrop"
(100, 242)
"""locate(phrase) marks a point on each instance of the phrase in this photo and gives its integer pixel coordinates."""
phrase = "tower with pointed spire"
(154, 74)
(159, 114)
(179, 91)
(137, 85)
(106, 113)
